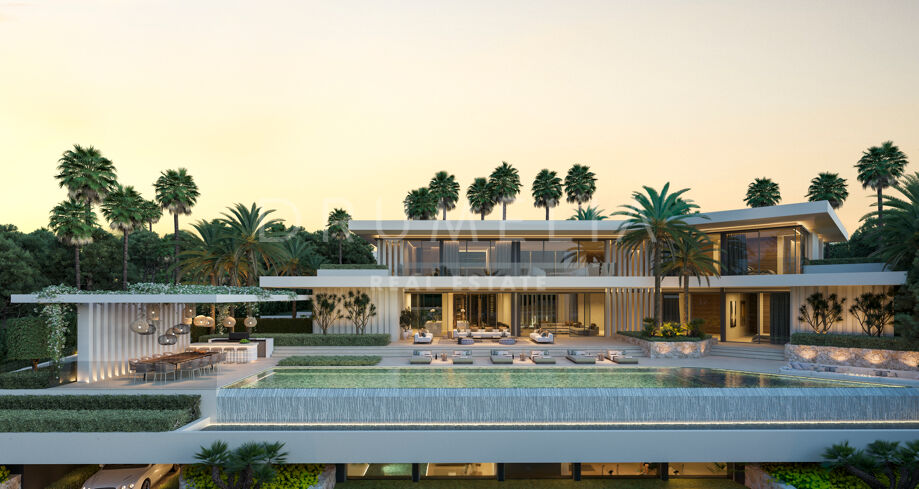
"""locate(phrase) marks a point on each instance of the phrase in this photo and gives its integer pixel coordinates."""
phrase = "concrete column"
(85, 350)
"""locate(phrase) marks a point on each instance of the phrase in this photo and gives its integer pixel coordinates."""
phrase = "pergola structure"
(105, 341)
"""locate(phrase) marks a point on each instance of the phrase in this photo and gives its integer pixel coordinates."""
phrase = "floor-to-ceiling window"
(562, 313)
(475, 310)
(762, 251)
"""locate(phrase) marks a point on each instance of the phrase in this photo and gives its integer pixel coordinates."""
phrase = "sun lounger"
(462, 357)
(421, 357)
(617, 356)
(581, 357)
(542, 357)
(502, 357)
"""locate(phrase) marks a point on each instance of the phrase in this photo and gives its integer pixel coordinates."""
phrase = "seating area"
(178, 365)
(532, 357)
(542, 336)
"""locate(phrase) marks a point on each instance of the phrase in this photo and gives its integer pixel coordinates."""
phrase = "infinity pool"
(540, 377)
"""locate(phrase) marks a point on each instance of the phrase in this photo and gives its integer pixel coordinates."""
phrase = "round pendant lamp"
(181, 328)
(201, 320)
(250, 322)
(188, 312)
(142, 326)
(229, 321)
(167, 339)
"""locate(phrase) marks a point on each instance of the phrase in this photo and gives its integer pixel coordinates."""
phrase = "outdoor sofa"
(617, 356)
(462, 357)
(502, 357)
(542, 357)
(581, 357)
(424, 336)
(421, 357)
(542, 336)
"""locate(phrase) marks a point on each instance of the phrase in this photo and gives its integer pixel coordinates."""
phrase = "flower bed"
(673, 347)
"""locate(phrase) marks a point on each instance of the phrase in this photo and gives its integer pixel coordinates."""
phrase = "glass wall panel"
(761, 252)
(592, 257)
(461, 471)
(428, 311)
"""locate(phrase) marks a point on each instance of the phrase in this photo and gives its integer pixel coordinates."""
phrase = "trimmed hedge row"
(26, 379)
(26, 338)
(843, 261)
(144, 402)
(352, 266)
(294, 339)
(637, 334)
(330, 360)
(75, 478)
(93, 420)
(289, 476)
(855, 341)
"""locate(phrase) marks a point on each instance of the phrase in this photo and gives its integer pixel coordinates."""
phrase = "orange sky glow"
(303, 106)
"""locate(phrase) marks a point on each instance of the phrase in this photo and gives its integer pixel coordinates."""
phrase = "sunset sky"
(304, 106)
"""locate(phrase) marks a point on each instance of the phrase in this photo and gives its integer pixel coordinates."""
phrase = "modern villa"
(507, 289)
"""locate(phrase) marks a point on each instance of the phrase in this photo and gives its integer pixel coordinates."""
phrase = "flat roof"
(818, 217)
(149, 298)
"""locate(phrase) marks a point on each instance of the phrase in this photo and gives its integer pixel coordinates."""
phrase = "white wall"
(389, 305)
(849, 325)
(628, 307)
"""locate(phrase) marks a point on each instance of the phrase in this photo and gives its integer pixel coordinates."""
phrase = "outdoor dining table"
(176, 358)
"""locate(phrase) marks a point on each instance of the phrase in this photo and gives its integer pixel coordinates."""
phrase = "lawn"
(545, 484)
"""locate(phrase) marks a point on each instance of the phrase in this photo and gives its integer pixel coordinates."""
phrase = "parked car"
(128, 476)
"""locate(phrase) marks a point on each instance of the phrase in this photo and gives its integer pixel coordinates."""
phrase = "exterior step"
(752, 353)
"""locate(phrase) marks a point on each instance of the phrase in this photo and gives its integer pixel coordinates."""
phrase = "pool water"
(540, 377)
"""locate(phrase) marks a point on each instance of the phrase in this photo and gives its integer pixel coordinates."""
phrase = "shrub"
(843, 261)
(27, 339)
(289, 476)
(855, 341)
(641, 336)
(812, 476)
(96, 420)
(291, 339)
(146, 402)
(75, 478)
(821, 312)
(647, 327)
(26, 379)
(696, 328)
(330, 360)
(352, 266)
(4, 473)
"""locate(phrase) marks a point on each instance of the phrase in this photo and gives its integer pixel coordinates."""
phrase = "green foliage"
(821, 312)
(762, 192)
(696, 328)
(325, 310)
(842, 261)
(27, 379)
(855, 341)
(420, 204)
(359, 309)
(291, 339)
(648, 327)
(95, 420)
(829, 187)
(330, 360)
(580, 184)
(248, 465)
(150, 402)
(4, 473)
(27, 338)
(873, 311)
(288, 476)
(445, 190)
(665, 339)
(407, 318)
(812, 476)
(353, 266)
(547, 190)
(282, 325)
(881, 464)
(481, 197)
(504, 182)
(75, 478)
(589, 213)
(18, 271)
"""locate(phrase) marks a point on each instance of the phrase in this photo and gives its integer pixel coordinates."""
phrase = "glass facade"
(762, 251)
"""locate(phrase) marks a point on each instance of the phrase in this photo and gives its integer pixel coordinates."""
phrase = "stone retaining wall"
(672, 349)
(853, 357)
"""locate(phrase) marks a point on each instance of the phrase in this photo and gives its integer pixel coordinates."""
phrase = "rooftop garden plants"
(330, 360)
(898, 343)
(97, 413)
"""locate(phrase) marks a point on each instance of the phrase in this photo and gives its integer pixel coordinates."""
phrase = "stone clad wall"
(672, 349)
(853, 357)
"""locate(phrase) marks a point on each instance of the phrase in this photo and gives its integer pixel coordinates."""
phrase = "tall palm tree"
(420, 204)
(337, 225)
(505, 184)
(208, 256)
(176, 192)
(481, 197)
(73, 225)
(86, 174)
(656, 220)
(589, 213)
(445, 191)
(829, 187)
(547, 189)
(691, 255)
(123, 207)
(879, 168)
(899, 240)
(762, 192)
(580, 184)
(152, 213)
(249, 229)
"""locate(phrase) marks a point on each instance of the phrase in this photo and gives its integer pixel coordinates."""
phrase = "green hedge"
(293, 339)
(289, 476)
(637, 334)
(330, 360)
(855, 341)
(843, 261)
(352, 266)
(280, 325)
(26, 338)
(26, 379)
(145, 402)
(94, 420)
(813, 476)
(75, 478)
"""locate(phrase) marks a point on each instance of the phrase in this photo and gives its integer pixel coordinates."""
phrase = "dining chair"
(163, 369)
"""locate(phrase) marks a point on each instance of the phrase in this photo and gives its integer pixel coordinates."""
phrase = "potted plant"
(406, 319)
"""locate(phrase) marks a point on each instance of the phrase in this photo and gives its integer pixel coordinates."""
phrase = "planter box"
(854, 357)
(756, 478)
(672, 349)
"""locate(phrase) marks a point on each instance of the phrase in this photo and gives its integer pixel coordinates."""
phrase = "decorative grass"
(330, 361)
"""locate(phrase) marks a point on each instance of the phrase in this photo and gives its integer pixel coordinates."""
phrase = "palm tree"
(589, 213)
(152, 213)
(87, 175)
(209, 256)
(249, 229)
(176, 192)
(829, 187)
(505, 184)
(762, 192)
(547, 189)
(337, 225)
(73, 225)
(481, 197)
(691, 255)
(879, 168)
(124, 208)
(420, 204)
(445, 191)
(656, 220)
(580, 184)
(899, 240)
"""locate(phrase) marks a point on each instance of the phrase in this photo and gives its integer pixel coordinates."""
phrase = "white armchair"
(542, 337)
(424, 337)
